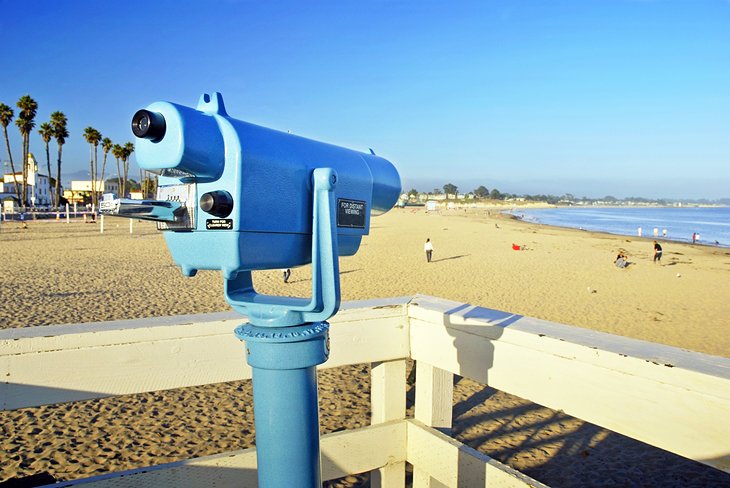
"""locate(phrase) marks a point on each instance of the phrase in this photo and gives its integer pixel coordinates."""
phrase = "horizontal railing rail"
(61, 363)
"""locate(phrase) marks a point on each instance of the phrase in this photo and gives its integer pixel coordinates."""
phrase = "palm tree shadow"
(574, 451)
(450, 257)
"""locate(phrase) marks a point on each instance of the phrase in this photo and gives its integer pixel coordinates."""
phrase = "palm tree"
(46, 132)
(142, 184)
(450, 189)
(26, 122)
(106, 146)
(117, 152)
(89, 137)
(93, 137)
(127, 151)
(97, 139)
(60, 132)
(147, 183)
(6, 116)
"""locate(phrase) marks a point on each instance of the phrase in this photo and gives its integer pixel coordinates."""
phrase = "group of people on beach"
(695, 235)
(639, 231)
(622, 259)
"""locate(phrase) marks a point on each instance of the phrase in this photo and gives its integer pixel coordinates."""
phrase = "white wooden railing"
(667, 397)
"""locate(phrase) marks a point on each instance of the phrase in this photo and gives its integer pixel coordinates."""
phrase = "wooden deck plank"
(453, 464)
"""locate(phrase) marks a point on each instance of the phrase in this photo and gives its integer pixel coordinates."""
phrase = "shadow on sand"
(450, 257)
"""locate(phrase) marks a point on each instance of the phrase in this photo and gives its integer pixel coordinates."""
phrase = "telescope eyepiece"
(148, 125)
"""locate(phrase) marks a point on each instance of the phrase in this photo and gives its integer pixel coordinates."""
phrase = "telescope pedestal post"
(285, 341)
(286, 408)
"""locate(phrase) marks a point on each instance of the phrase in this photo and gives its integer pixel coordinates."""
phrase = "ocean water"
(712, 223)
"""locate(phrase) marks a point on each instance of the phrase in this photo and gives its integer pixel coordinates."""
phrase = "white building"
(39, 185)
(81, 189)
(108, 186)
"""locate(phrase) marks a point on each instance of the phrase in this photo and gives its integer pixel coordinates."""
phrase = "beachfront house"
(80, 191)
(39, 185)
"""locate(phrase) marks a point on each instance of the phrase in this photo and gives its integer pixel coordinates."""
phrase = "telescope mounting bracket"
(278, 311)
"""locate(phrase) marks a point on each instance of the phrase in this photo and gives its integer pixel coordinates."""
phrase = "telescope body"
(236, 196)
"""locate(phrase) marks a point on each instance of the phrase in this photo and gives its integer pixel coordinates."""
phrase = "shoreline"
(632, 236)
(627, 236)
(581, 231)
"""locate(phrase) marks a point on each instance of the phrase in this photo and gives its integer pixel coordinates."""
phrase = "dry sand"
(57, 273)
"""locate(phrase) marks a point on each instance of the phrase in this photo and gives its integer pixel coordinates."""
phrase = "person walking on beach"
(694, 237)
(638, 231)
(657, 252)
(428, 247)
(286, 273)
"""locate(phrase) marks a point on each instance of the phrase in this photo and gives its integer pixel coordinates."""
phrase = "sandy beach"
(59, 273)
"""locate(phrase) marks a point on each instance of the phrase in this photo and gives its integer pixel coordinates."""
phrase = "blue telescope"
(246, 192)
(237, 197)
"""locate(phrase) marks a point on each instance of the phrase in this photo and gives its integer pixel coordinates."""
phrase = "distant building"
(111, 186)
(39, 185)
(80, 191)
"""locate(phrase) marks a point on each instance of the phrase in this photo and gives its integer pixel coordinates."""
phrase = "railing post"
(388, 400)
(434, 404)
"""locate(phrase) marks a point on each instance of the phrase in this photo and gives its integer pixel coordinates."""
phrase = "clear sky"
(614, 97)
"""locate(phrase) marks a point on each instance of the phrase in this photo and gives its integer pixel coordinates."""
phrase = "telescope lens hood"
(148, 125)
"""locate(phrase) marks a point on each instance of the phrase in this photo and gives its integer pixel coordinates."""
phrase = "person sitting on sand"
(622, 260)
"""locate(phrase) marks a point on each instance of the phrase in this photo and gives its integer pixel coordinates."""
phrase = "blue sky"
(586, 97)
